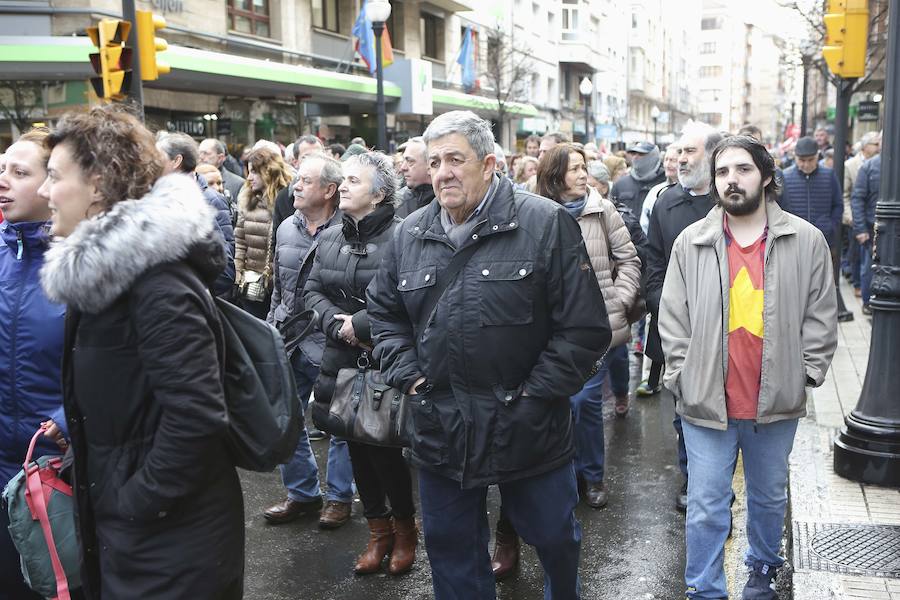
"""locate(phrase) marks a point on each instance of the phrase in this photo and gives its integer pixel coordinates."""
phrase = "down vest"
(600, 219)
(347, 258)
(511, 339)
(816, 198)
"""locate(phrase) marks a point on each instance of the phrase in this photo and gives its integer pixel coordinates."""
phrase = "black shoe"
(761, 583)
(597, 497)
(866, 310)
(315, 435)
(845, 316)
(681, 499)
(290, 510)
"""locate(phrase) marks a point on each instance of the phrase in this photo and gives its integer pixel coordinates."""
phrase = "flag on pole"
(466, 60)
(365, 41)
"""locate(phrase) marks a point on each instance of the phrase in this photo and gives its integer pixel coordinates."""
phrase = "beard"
(696, 177)
(738, 203)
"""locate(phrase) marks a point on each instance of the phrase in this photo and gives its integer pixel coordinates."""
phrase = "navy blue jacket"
(865, 195)
(31, 347)
(816, 198)
(225, 280)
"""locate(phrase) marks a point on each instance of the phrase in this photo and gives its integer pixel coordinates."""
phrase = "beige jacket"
(599, 219)
(252, 236)
(851, 170)
(799, 319)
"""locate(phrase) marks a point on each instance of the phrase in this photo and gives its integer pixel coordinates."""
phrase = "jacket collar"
(106, 254)
(712, 228)
(594, 204)
(683, 196)
(500, 215)
(34, 234)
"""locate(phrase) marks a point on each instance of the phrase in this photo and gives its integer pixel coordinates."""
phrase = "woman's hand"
(346, 332)
(52, 431)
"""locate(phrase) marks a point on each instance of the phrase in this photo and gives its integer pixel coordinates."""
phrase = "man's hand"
(412, 388)
(52, 431)
(862, 238)
(346, 332)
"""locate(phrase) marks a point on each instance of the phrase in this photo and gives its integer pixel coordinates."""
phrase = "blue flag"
(466, 60)
(365, 42)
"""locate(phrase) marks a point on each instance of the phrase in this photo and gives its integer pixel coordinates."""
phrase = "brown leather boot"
(381, 540)
(406, 537)
(506, 555)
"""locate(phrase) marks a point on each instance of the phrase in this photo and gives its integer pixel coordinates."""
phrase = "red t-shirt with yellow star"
(745, 326)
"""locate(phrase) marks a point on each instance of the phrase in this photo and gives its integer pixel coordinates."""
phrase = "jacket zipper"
(14, 329)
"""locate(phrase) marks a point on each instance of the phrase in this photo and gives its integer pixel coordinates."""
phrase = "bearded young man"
(743, 389)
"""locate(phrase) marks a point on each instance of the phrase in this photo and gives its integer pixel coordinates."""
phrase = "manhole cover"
(842, 548)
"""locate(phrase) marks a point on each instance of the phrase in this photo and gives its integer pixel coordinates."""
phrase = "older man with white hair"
(674, 210)
(479, 313)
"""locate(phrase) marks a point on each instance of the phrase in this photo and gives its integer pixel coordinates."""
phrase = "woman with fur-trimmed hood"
(158, 501)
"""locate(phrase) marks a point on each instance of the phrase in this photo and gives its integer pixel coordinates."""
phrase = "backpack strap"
(34, 491)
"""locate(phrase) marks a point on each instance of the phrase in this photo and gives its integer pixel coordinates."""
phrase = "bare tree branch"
(507, 68)
(19, 100)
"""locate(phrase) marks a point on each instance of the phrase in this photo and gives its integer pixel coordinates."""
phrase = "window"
(714, 119)
(711, 23)
(569, 15)
(715, 71)
(325, 15)
(395, 25)
(708, 48)
(249, 16)
(634, 21)
(431, 32)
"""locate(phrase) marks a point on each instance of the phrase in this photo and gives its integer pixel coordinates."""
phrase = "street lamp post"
(586, 87)
(654, 114)
(868, 446)
(806, 56)
(378, 12)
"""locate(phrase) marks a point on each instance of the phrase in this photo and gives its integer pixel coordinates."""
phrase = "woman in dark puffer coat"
(347, 259)
(158, 501)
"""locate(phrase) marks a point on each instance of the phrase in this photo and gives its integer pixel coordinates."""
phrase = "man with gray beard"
(675, 209)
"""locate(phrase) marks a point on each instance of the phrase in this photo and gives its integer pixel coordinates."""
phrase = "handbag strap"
(34, 490)
(443, 279)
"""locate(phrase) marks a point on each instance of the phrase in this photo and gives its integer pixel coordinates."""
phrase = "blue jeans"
(712, 455)
(542, 510)
(301, 475)
(587, 413)
(865, 271)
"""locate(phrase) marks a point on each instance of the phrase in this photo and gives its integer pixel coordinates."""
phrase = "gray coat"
(233, 183)
(294, 245)
(799, 319)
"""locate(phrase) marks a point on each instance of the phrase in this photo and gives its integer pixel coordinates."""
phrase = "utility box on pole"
(847, 29)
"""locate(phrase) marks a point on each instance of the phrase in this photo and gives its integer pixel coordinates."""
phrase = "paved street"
(634, 548)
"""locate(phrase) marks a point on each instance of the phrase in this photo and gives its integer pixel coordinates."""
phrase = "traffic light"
(112, 61)
(148, 44)
(847, 29)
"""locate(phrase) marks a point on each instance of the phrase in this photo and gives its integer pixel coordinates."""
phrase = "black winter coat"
(158, 501)
(347, 258)
(510, 340)
(414, 199)
(674, 210)
(631, 192)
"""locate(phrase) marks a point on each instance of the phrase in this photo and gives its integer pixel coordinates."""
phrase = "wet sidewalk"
(842, 538)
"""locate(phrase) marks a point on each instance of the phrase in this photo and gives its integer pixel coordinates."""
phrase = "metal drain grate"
(840, 548)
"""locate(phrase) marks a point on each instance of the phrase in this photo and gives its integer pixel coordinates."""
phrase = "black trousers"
(836, 267)
(382, 474)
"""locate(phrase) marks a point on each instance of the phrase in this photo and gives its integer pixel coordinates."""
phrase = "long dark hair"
(552, 169)
(761, 158)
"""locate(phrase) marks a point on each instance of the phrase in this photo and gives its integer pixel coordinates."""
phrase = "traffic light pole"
(841, 126)
(868, 447)
(136, 92)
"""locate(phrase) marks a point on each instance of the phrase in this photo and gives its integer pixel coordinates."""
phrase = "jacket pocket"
(429, 442)
(529, 431)
(505, 292)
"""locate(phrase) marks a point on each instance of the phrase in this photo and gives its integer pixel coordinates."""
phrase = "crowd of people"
(508, 296)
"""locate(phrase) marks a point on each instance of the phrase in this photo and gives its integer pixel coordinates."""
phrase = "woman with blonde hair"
(526, 169)
(268, 174)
